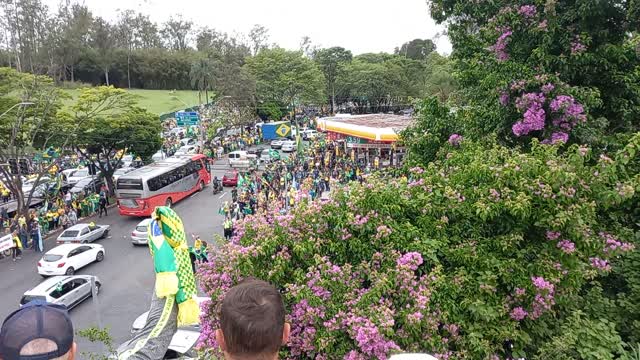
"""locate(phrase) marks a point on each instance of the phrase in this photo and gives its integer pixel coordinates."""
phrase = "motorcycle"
(217, 187)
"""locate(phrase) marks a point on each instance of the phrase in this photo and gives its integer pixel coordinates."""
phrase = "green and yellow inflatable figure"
(174, 274)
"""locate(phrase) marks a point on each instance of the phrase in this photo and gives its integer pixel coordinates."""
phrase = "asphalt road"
(126, 273)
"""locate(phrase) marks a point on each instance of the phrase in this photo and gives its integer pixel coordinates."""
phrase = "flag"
(274, 155)
(240, 180)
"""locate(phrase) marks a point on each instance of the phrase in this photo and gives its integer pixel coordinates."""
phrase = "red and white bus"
(162, 183)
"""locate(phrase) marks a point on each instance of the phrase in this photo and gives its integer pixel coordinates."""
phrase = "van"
(241, 158)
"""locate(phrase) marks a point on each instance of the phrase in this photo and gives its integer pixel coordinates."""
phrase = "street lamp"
(24, 103)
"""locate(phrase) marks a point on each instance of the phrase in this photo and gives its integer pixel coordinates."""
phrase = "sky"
(358, 25)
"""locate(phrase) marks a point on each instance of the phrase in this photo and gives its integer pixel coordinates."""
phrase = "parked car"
(139, 234)
(78, 175)
(120, 172)
(309, 134)
(288, 146)
(30, 184)
(89, 185)
(241, 158)
(183, 340)
(64, 290)
(83, 233)
(67, 258)
(230, 178)
(277, 143)
(187, 141)
(265, 156)
(186, 150)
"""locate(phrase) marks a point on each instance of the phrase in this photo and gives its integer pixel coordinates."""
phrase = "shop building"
(369, 138)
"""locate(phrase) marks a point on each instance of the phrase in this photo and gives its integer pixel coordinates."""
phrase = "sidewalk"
(60, 229)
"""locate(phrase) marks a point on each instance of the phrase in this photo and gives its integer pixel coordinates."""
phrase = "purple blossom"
(501, 45)
(547, 88)
(411, 260)
(542, 284)
(600, 264)
(504, 98)
(566, 246)
(518, 313)
(552, 235)
(455, 139)
(527, 11)
(534, 117)
(557, 137)
(577, 46)
(543, 25)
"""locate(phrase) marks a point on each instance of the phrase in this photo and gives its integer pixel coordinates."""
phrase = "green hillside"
(159, 101)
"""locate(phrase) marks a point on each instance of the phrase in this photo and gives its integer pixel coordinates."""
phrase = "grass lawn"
(158, 101)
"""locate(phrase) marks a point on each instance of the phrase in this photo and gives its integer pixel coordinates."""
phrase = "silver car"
(83, 233)
(64, 290)
(139, 234)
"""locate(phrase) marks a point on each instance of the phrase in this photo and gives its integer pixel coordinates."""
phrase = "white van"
(240, 158)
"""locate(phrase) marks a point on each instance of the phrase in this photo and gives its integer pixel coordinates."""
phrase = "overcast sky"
(358, 25)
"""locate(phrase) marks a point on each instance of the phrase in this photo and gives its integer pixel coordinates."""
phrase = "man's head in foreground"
(37, 331)
(252, 322)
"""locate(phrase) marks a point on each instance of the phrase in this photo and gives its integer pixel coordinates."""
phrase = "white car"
(309, 134)
(288, 146)
(187, 141)
(64, 290)
(120, 172)
(127, 160)
(183, 340)
(265, 156)
(139, 234)
(160, 155)
(67, 258)
(78, 175)
(186, 150)
(276, 144)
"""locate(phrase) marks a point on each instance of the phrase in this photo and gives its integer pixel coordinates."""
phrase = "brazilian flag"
(274, 155)
(240, 180)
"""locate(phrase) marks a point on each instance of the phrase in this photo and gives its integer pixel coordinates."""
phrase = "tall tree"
(259, 37)
(109, 121)
(416, 49)
(75, 22)
(177, 32)
(201, 75)
(286, 78)
(29, 124)
(332, 62)
(103, 42)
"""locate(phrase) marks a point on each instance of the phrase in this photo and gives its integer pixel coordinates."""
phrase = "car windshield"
(83, 182)
(70, 233)
(28, 298)
(51, 257)
(141, 228)
(121, 171)
(265, 152)
(80, 173)
(229, 175)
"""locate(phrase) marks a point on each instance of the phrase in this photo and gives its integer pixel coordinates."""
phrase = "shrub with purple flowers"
(485, 246)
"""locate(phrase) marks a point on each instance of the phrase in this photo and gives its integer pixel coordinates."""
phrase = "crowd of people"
(283, 182)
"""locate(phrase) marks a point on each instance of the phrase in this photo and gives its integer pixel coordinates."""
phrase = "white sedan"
(66, 259)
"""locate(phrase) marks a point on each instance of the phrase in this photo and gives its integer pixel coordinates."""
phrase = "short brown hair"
(252, 319)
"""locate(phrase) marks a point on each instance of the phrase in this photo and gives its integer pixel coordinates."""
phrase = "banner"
(6, 242)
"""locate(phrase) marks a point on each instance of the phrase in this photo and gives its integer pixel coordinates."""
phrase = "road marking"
(223, 194)
(194, 194)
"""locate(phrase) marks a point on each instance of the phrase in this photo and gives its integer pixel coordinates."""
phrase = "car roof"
(47, 284)
(78, 227)
(63, 249)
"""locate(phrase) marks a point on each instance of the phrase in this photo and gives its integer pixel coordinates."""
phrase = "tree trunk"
(106, 75)
(333, 99)
(128, 67)
(73, 79)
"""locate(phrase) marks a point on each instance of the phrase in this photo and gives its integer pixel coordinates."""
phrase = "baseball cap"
(36, 320)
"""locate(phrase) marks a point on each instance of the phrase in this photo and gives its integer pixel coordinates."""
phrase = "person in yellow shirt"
(6, 194)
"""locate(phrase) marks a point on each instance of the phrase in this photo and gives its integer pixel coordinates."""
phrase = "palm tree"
(201, 74)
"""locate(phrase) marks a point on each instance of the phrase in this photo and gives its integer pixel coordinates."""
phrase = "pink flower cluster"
(544, 298)
(600, 264)
(577, 47)
(552, 235)
(504, 98)
(566, 246)
(500, 47)
(570, 112)
(527, 11)
(613, 244)
(455, 139)
(518, 313)
(382, 231)
(411, 260)
(534, 115)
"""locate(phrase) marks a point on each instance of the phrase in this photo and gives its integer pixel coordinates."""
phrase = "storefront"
(370, 139)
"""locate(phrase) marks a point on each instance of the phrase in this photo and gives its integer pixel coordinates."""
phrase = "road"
(126, 273)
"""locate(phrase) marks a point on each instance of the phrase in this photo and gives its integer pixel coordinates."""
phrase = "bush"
(484, 248)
